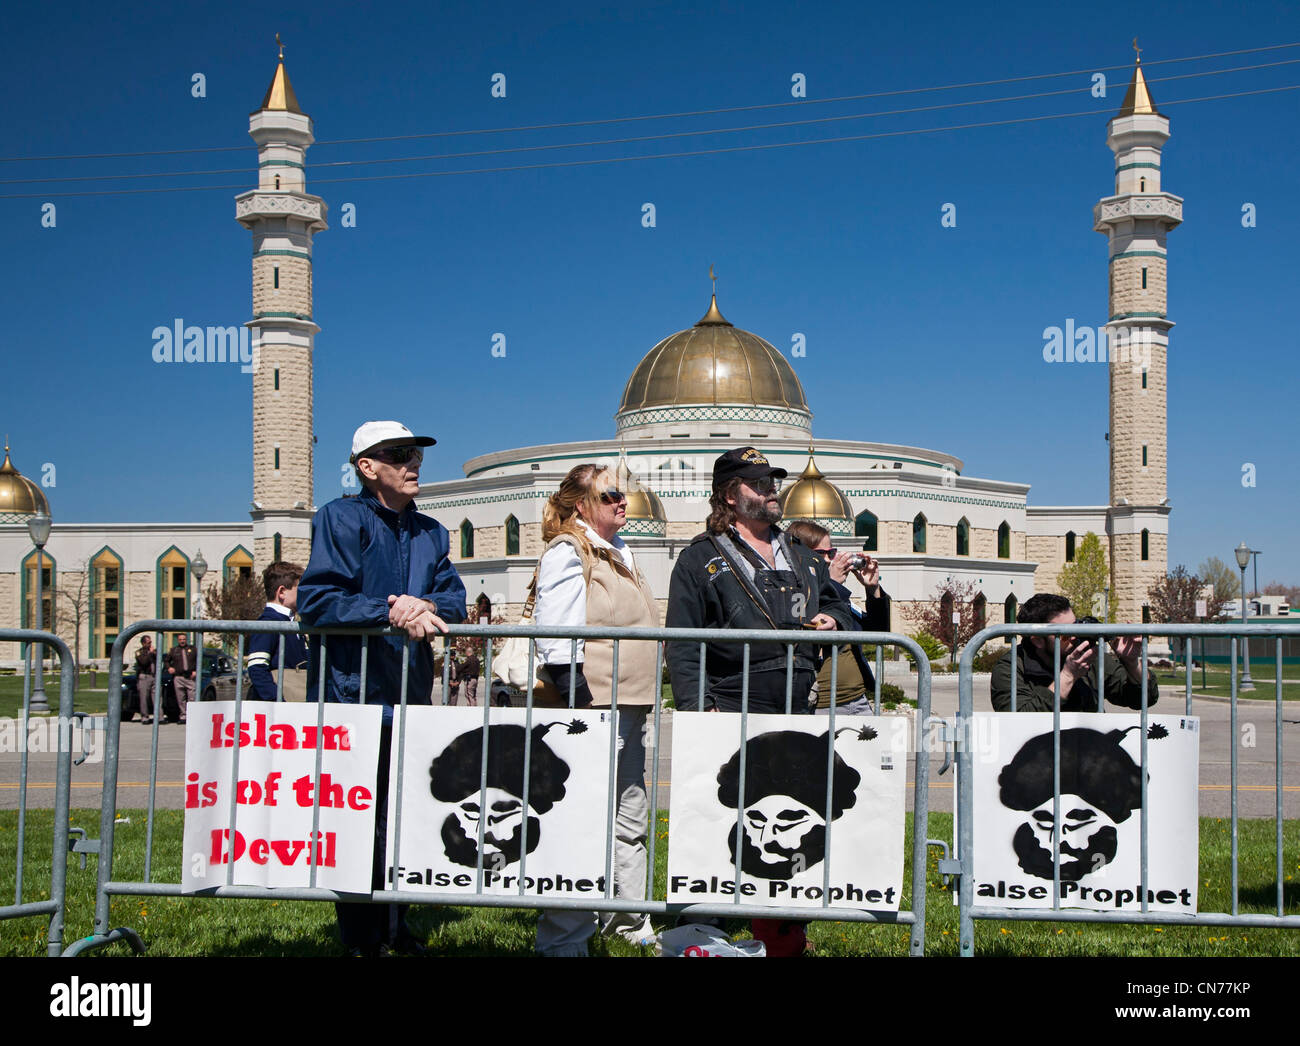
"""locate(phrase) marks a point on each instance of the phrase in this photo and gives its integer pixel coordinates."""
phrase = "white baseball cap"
(375, 435)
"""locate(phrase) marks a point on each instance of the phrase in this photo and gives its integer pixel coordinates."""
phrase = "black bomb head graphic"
(783, 823)
(455, 777)
(1101, 785)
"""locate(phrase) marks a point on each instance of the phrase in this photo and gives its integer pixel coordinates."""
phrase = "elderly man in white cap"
(377, 561)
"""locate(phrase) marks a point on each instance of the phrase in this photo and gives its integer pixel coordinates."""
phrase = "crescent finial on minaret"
(1137, 49)
(281, 46)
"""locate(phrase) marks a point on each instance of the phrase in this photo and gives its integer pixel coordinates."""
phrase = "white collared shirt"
(562, 593)
(280, 609)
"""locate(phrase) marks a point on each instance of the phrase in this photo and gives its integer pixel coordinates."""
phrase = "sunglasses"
(400, 455)
(612, 497)
(828, 553)
(766, 485)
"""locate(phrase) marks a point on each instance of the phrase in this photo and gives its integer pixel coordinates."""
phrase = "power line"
(660, 116)
(640, 138)
(653, 156)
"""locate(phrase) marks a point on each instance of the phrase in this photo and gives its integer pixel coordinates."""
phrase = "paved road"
(1256, 733)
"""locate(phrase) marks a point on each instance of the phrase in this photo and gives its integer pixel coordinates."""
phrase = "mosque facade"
(703, 390)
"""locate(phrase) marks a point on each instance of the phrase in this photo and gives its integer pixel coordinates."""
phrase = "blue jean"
(564, 932)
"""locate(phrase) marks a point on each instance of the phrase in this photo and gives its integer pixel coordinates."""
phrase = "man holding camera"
(1035, 677)
(743, 572)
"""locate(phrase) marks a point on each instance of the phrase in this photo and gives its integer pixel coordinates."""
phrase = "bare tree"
(935, 616)
(1173, 598)
(72, 607)
(1223, 578)
(237, 599)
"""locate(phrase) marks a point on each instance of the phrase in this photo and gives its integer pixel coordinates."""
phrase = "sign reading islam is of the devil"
(1098, 839)
(271, 842)
(780, 820)
(548, 837)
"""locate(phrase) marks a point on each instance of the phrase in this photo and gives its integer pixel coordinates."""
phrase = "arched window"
(1146, 544)
(1069, 546)
(918, 533)
(105, 601)
(946, 630)
(1004, 541)
(865, 526)
(48, 576)
(1009, 609)
(963, 536)
(512, 536)
(981, 607)
(173, 589)
(466, 540)
(238, 563)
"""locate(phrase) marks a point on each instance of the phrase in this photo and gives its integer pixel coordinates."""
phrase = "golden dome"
(19, 496)
(713, 363)
(641, 502)
(813, 497)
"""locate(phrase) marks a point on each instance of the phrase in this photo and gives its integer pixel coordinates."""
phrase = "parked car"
(218, 685)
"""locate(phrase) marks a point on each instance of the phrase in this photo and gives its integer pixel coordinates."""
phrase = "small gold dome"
(813, 497)
(19, 496)
(713, 363)
(641, 502)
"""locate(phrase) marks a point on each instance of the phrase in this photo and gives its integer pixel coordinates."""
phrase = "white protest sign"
(1100, 811)
(271, 841)
(445, 804)
(782, 824)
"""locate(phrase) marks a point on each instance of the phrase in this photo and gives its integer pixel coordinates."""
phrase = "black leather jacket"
(706, 593)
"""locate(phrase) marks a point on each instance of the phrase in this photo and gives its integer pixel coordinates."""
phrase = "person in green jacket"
(1034, 676)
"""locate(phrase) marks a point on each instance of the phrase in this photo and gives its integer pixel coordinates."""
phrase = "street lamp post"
(38, 528)
(199, 567)
(1243, 560)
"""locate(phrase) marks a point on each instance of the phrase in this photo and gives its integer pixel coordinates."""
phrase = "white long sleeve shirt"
(562, 593)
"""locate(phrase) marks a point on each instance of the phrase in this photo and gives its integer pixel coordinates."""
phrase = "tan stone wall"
(10, 612)
(282, 417)
(983, 543)
(1138, 417)
(1042, 550)
(294, 550)
(1132, 577)
(1126, 291)
(940, 540)
(294, 292)
(488, 542)
(530, 540)
(895, 537)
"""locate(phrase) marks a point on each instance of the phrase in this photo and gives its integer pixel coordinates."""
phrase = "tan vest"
(616, 598)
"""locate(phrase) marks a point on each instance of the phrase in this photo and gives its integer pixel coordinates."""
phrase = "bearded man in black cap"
(744, 572)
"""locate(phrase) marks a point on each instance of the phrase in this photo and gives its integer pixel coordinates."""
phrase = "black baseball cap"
(744, 463)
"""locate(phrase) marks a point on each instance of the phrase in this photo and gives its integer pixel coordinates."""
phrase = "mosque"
(705, 389)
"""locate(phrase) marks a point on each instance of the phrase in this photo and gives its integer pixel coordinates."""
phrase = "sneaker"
(642, 936)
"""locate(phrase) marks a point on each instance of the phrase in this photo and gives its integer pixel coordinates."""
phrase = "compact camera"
(857, 562)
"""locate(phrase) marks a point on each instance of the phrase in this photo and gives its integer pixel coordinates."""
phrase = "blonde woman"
(588, 576)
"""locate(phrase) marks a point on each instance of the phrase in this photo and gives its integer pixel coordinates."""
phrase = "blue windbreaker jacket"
(361, 553)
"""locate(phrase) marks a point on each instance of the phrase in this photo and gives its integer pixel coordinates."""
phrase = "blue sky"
(916, 334)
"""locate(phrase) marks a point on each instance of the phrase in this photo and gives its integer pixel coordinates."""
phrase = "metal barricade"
(108, 886)
(962, 864)
(54, 905)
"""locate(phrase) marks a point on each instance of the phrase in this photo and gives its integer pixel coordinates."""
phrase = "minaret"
(283, 218)
(1136, 221)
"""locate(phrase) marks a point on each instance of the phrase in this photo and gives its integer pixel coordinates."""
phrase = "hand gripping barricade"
(962, 865)
(60, 841)
(481, 883)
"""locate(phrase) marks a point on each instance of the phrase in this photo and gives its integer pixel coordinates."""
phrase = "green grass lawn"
(91, 694)
(176, 926)
(1218, 681)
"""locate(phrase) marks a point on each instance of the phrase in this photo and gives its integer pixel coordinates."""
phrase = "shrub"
(934, 650)
(988, 656)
